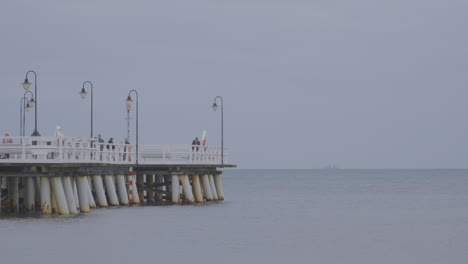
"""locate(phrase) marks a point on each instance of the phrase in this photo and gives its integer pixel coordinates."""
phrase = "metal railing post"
(23, 146)
(60, 148)
(191, 150)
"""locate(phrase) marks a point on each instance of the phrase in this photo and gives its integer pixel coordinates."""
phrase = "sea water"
(269, 216)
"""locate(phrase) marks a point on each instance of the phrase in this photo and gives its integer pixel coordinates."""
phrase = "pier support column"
(100, 193)
(200, 177)
(82, 187)
(53, 200)
(69, 195)
(136, 195)
(37, 192)
(30, 197)
(13, 194)
(207, 187)
(219, 187)
(175, 189)
(110, 187)
(122, 190)
(213, 187)
(75, 191)
(46, 203)
(141, 184)
(92, 203)
(59, 193)
(150, 182)
(90, 183)
(197, 189)
(188, 195)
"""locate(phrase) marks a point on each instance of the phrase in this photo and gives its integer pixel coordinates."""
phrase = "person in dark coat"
(110, 142)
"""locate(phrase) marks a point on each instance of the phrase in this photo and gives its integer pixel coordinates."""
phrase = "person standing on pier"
(7, 140)
(101, 142)
(125, 149)
(101, 145)
(195, 142)
(111, 146)
(109, 143)
(58, 132)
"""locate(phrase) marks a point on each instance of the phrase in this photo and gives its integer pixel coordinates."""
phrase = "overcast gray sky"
(359, 84)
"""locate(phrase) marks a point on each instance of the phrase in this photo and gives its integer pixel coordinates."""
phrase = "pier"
(65, 175)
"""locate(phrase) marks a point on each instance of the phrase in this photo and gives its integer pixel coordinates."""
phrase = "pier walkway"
(43, 150)
(68, 175)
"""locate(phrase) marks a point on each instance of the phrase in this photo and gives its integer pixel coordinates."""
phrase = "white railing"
(180, 154)
(87, 150)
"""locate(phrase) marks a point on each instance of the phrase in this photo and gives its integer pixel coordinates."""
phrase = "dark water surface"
(269, 216)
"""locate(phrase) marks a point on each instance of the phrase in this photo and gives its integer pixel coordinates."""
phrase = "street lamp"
(215, 107)
(83, 94)
(129, 106)
(26, 86)
(25, 106)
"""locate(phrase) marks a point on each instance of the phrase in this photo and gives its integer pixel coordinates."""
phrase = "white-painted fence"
(180, 154)
(87, 150)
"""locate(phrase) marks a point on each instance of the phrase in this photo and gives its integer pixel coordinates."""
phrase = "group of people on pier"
(97, 143)
(110, 146)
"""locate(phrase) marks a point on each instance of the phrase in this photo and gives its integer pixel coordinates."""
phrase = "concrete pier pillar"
(200, 177)
(75, 191)
(30, 194)
(188, 195)
(92, 203)
(53, 200)
(82, 187)
(59, 194)
(140, 184)
(175, 189)
(46, 203)
(100, 193)
(136, 195)
(110, 187)
(207, 187)
(213, 187)
(21, 194)
(122, 190)
(149, 182)
(90, 183)
(37, 192)
(219, 187)
(13, 194)
(69, 195)
(197, 188)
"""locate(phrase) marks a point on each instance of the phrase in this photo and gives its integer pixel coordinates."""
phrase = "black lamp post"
(83, 94)
(215, 107)
(25, 105)
(129, 106)
(26, 86)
